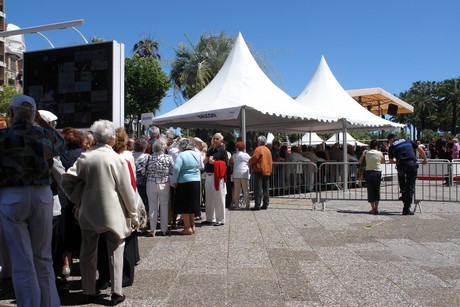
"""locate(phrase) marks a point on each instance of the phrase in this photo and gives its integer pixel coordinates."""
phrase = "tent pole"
(345, 156)
(243, 123)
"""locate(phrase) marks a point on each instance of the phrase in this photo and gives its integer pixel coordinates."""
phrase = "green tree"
(422, 95)
(146, 85)
(6, 93)
(147, 47)
(449, 96)
(196, 65)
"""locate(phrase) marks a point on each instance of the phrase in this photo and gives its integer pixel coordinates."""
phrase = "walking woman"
(373, 174)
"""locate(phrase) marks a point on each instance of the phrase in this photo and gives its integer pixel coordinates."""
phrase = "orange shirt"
(261, 161)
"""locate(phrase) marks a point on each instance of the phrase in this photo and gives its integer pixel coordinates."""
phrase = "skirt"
(187, 198)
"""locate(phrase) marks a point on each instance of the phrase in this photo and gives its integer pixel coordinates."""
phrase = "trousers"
(26, 215)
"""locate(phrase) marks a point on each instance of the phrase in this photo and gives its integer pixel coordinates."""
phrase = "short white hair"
(219, 135)
(262, 140)
(103, 130)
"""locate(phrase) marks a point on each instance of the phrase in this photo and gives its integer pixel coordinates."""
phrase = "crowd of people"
(89, 195)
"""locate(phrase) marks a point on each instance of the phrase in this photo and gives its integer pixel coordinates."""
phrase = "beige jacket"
(99, 183)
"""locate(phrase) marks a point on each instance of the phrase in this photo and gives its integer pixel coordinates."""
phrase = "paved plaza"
(291, 255)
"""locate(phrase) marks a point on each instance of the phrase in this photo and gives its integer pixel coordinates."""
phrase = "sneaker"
(264, 207)
(219, 224)
(255, 208)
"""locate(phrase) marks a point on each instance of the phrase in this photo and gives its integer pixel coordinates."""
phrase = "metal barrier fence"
(438, 180)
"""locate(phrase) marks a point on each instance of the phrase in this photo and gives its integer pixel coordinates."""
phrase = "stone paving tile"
(254, 290)
(436, 296)
(379, 256)
(445, 273)
(254, 256)
(291, 255)
(408, 275)
(251, 274)
(330, 291)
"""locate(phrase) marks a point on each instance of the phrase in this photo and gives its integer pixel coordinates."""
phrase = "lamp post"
(54, 26)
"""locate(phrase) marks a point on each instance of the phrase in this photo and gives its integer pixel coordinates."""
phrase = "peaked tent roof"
(324, 95)
(241, 87)
(350, 140)
(309, 138)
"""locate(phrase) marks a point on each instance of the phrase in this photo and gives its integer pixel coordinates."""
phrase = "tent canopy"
(338, 138)
(309, 138)
(241, 95)
(324, 95)
(377, 101)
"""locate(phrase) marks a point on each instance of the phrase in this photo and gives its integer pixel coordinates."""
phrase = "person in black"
(403, 151)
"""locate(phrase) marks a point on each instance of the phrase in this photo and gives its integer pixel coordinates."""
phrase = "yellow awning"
(377, 100)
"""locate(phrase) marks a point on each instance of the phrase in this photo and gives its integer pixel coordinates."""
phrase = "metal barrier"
(438, 180)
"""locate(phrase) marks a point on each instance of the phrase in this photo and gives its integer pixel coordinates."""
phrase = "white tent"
(309, 138)
(324, 95)
(241, 96)
(338, 138)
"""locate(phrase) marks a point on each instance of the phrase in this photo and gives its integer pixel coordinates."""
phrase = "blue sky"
(366, 43)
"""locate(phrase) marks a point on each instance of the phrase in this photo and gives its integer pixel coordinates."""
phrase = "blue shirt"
(187, 167)
(26, 154)
(403, 151)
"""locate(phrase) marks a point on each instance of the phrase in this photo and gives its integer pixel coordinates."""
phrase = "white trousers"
(239, 183)
(215, 200)
(88, 261)
(158, 195)
(26, 215)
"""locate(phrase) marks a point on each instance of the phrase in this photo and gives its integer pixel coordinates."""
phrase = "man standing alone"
(26, 201)
(261, 162)
(403, 151)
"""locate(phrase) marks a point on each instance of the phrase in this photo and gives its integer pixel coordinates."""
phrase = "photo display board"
(75, 83)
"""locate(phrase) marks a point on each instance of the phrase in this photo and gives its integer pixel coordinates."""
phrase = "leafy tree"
(145, 86)
(147, 47)
(449, 96)
(422, 95)
(6, 93)
(196, 65)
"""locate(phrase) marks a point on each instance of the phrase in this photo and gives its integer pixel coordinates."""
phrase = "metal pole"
(243, 123)
(345, 156)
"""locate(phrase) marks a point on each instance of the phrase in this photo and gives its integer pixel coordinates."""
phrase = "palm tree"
(196, 65)
(147, 47)
(449, 94)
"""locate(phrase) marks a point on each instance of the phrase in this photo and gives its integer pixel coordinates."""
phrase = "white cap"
(197, 139)
(47, 116)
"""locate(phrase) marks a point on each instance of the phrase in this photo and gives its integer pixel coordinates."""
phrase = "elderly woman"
(98, 182)
(158, 171)
(71, 234)
(241, 174)
(187, 178)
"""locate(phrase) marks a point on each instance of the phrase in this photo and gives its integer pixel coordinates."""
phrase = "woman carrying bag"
(372, 159)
